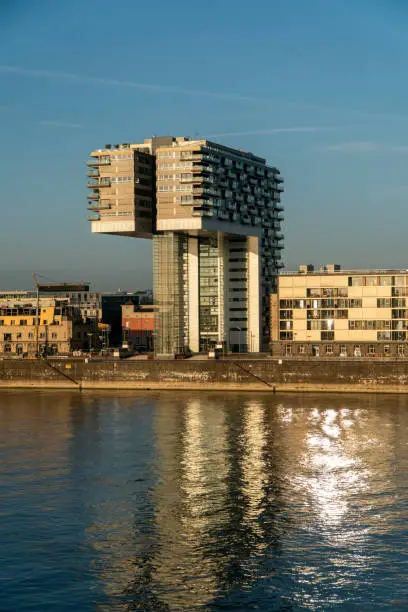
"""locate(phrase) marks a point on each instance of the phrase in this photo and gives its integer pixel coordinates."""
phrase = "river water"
(182, 501)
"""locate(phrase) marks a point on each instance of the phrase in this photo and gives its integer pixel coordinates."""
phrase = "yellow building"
(58, 330)
(340, 313)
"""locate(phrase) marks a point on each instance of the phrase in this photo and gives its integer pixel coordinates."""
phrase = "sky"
(317, 87)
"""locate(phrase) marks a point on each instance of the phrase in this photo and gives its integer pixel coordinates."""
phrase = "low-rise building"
(57, 330)
(138, 327)
(338, 313)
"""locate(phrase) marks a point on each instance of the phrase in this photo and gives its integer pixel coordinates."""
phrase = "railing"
(344, 271)
(98, 161)
(97, 184)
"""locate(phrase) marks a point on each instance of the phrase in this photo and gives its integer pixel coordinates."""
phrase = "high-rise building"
(215, 215)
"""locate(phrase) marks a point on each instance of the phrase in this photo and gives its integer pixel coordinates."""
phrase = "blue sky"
(318, 87)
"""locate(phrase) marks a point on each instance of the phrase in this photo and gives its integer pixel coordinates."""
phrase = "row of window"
(397, 336)
(374, 281)
(327, 292)
(355, 350)
(30, 335)
(25, 322)
(175, 187)
(395, 302)
(325, 303)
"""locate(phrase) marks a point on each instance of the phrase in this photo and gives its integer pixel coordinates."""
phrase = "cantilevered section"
(122, 190)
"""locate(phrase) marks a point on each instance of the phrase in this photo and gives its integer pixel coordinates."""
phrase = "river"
(181, 501)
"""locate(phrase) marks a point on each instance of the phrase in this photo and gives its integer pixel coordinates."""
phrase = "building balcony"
(278, 236)
(202, 212)
(100, 206)
(95, 162)
(94, 218)
(93, 196)
(99, 184)
(278, 178)
(93, 174)
(279, 208)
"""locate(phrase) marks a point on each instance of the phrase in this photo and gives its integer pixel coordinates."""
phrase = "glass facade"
(209, 292)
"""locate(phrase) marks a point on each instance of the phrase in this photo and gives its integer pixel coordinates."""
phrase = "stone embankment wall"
(261, 375)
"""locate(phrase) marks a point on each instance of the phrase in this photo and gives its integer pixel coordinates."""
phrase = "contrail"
(68, 76)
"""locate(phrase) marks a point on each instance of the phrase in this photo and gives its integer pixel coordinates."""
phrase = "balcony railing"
(94, 162)
(100, 206)
(94, 218)
(98, 184)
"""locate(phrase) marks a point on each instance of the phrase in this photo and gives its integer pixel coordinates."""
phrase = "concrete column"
(254, 296)
(193, 295)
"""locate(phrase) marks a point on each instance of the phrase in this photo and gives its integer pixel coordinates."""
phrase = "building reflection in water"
(183, 503)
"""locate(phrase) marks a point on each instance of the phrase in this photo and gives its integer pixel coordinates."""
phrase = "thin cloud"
(50, 74)
(159, 88)
(59, 124)
(364, 146)
(303, 129)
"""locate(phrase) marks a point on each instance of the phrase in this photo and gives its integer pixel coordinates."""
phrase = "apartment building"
(340, 313)
(217, 241)
(138, 327)
(58, 329)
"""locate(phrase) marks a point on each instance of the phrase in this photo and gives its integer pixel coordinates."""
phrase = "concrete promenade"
(267, 374)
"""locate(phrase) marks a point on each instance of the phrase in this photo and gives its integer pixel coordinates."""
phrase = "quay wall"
(229, 375)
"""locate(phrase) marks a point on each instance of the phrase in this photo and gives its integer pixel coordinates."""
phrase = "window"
(371, 349)
(301, 349)
(42, 335)
(357, 350)
(384, 303)
(387, 350)
(285, 335)
(7, 348)
(356, 281)
(12, 322)
(384, 335)
(343, 350)
(385, 281)
(329, 349)
(6, 337)
(1, 321)
(327, 335)
(399, 281)
(30, 335)
(401, 350)
(288, 350)
(54, 335)
(371, 281)
(19, 335)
